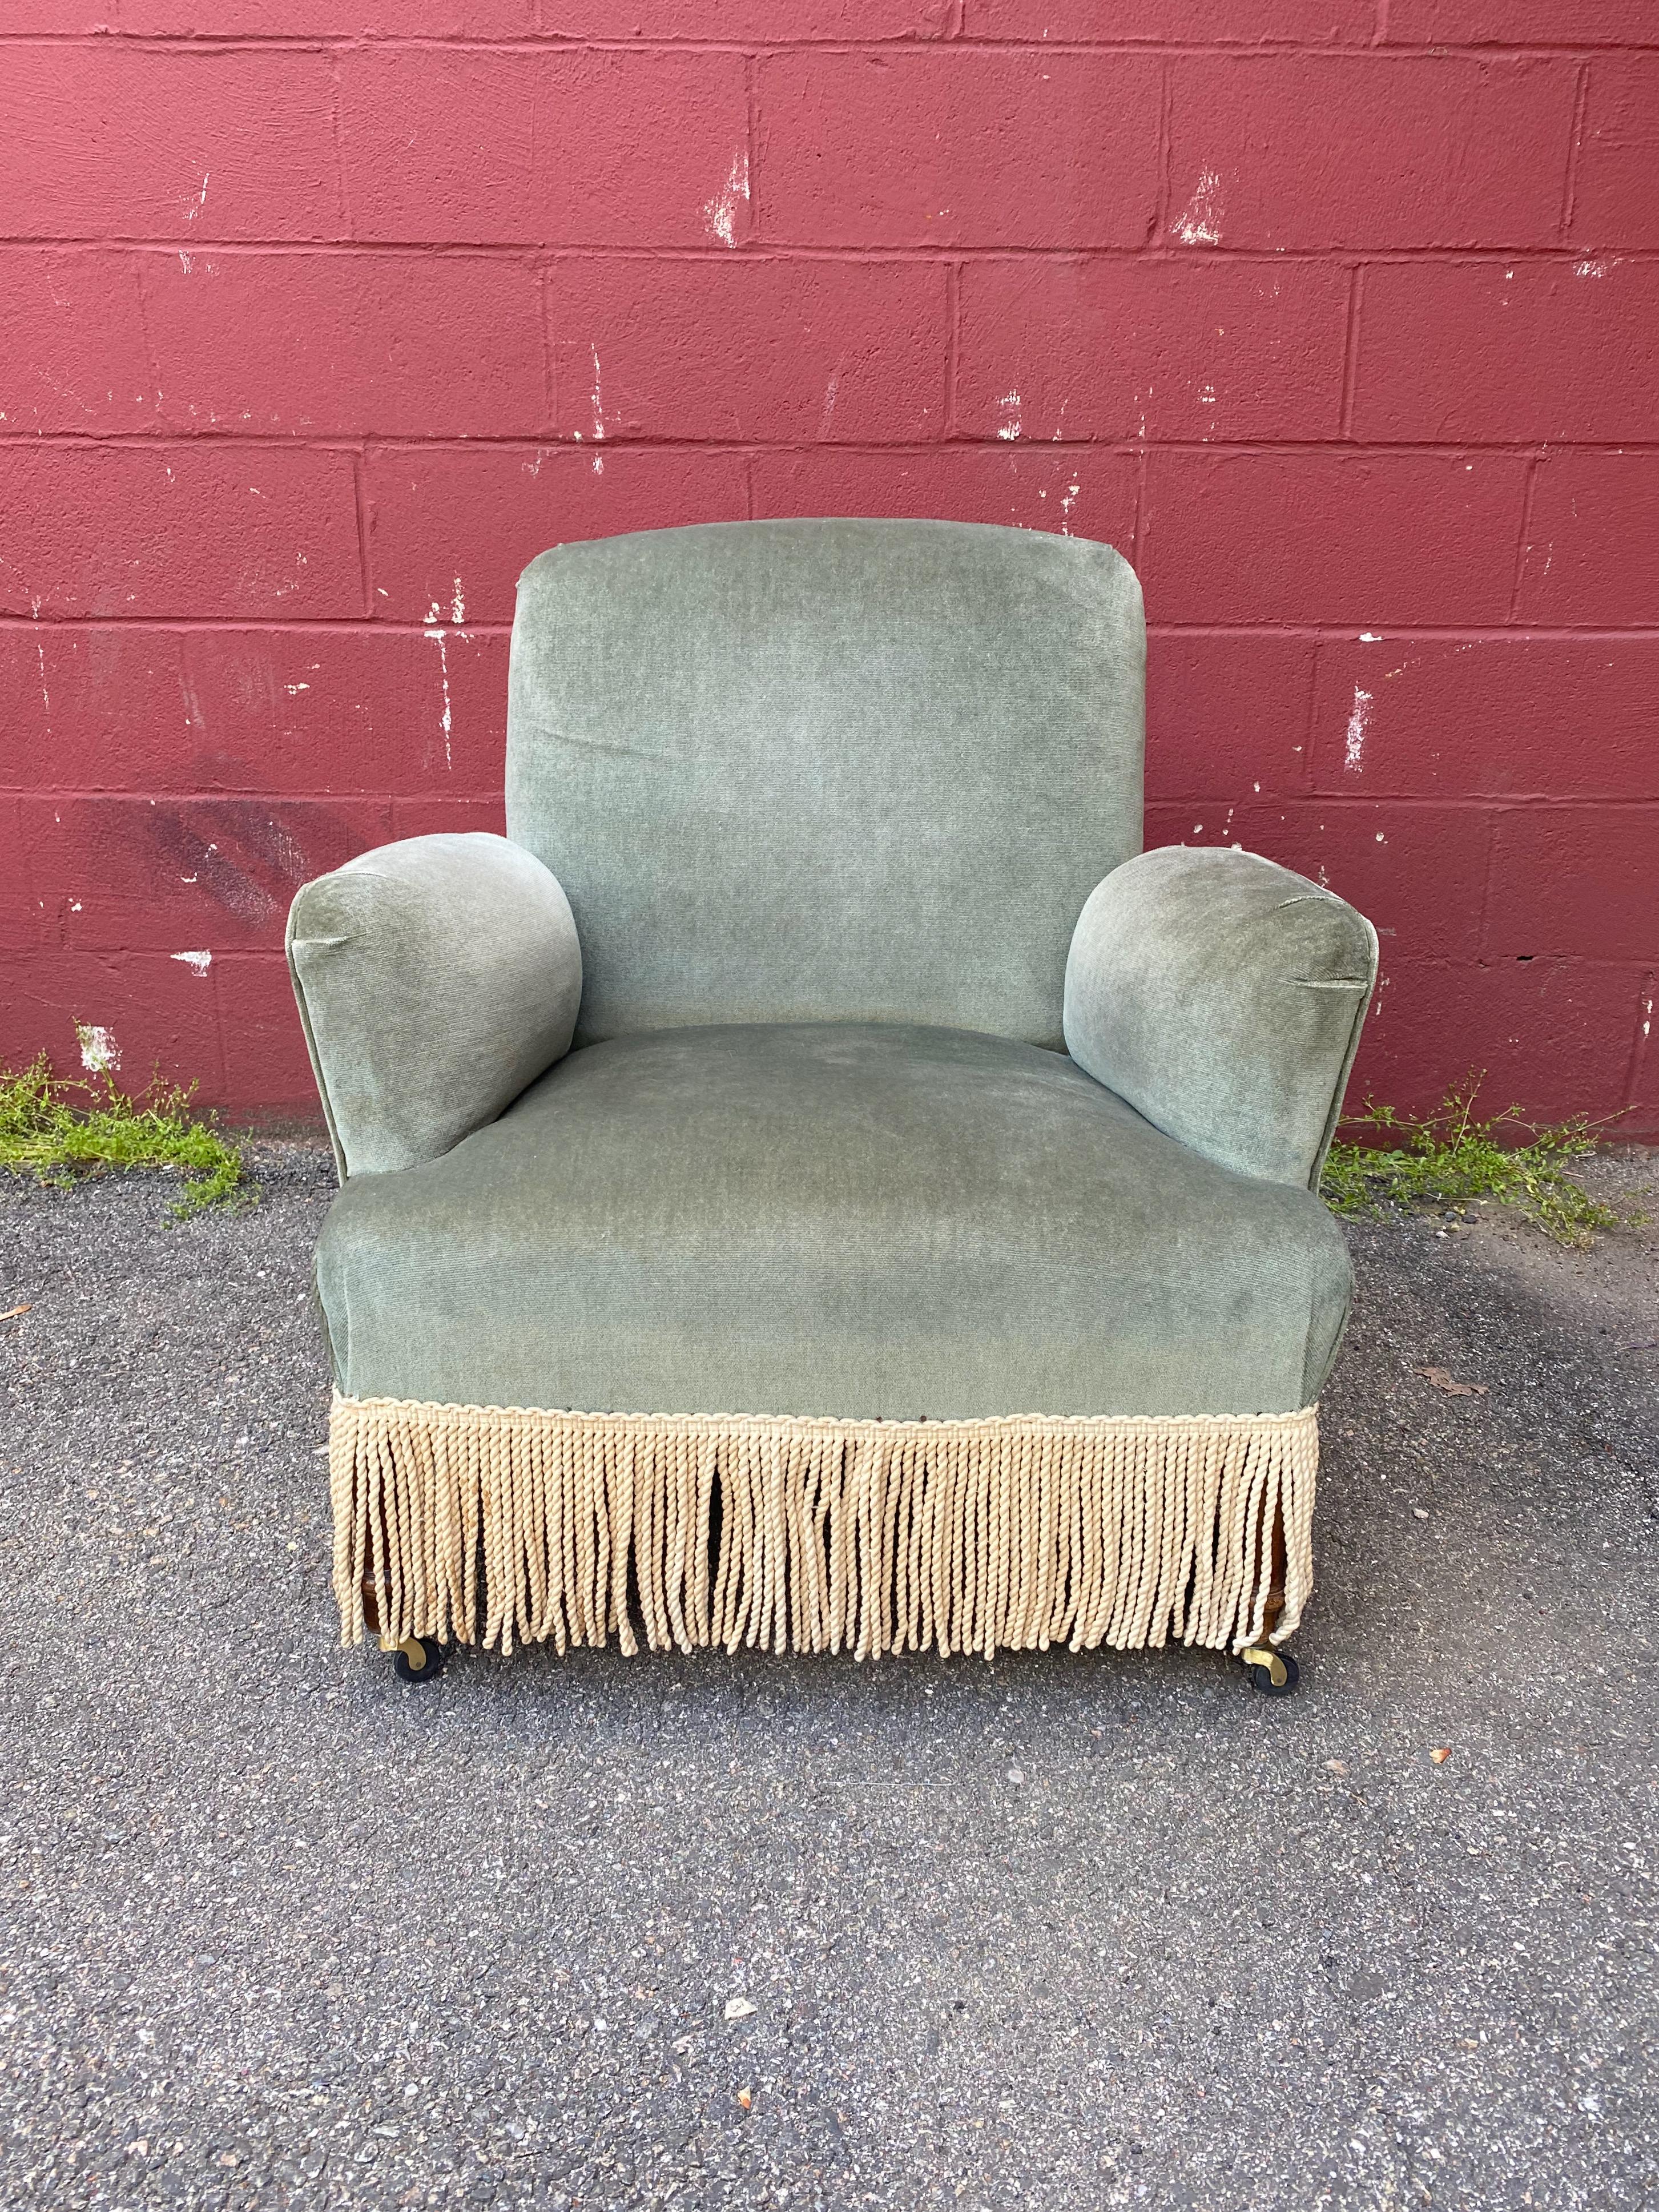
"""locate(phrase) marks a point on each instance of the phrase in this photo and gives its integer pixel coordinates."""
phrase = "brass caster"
(1274, 1673)
(417, 1659)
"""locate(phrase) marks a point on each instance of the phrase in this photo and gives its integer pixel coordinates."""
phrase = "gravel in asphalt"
(1057, 1932)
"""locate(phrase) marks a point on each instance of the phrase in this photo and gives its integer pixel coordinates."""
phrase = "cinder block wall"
(1337, 316)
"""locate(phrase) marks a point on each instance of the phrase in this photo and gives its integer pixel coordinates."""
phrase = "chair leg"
(417, 1658)
(1273, 1672)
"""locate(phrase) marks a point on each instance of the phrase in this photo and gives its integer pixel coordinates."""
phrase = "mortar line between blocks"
(1351, 348)
(1575, 143)
(359, 501)
(1527, 492)
(952, 343)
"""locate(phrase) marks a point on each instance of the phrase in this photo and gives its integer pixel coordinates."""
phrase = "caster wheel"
(419, 1659)
(1273, 1673)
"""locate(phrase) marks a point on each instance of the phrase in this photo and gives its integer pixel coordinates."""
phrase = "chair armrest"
(1221, 997)
(436, 978)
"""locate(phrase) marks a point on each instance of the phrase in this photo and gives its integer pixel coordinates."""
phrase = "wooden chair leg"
(417, 1659)
(1274, 1672)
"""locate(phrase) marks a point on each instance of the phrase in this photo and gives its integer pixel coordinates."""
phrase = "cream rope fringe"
(865, 1536)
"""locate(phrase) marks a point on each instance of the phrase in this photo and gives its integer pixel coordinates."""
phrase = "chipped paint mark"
(1381, 839)
(1065, 506)
(1207, 395)
(199, 962)
(1009, 404)
(1370, 637)
(443, 671)
(458, 605)
(76, 907)
(292, 688)
(200, 201)
(599, 464)
(185, 263)
(288, 854)
(442, 636)
(41, 655)
(1358, 722)
(598, 407)
(722, 209)
(99, 1054)
(1591, 267)
(831, 392)
(193, 714)
(1199, 223)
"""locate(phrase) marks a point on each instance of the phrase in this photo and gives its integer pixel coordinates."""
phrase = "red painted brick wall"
(1340, 317)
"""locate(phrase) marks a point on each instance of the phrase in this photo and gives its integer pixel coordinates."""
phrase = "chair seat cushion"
(854, 1220)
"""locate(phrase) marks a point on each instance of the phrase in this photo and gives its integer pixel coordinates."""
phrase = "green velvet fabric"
(828, 770)
(837, 1219)
(435, 979)
(1222, 996)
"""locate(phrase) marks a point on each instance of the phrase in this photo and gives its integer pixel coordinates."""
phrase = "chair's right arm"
(1221, 997)
(436, 978)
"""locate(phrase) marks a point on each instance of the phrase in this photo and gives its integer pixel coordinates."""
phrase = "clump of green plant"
(55, 1128)
(1450, 1160)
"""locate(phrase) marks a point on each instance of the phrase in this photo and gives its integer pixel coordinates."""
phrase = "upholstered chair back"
(827, 771)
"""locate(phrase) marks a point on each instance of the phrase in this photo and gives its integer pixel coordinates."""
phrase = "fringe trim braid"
(816, 1535)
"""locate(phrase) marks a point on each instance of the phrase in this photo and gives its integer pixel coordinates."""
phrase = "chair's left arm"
(436, 978)
(1221, 997)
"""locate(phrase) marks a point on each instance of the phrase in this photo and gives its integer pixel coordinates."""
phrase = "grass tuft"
(55, 1128)
(1449, 1159)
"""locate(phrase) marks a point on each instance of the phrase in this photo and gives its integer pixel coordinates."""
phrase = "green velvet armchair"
(816, 1183)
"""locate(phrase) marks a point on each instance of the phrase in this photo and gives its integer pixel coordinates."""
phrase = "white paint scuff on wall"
(99, 1054)
(1009, 406)
(1199, 223)
(198, 962)
(722, 211)
(434, 617)
(1358, 722)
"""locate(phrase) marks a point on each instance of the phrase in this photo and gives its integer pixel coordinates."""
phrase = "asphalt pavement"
(1057, 1932)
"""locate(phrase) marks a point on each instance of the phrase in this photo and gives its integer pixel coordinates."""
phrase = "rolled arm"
(436, 978)
(1221, 997)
